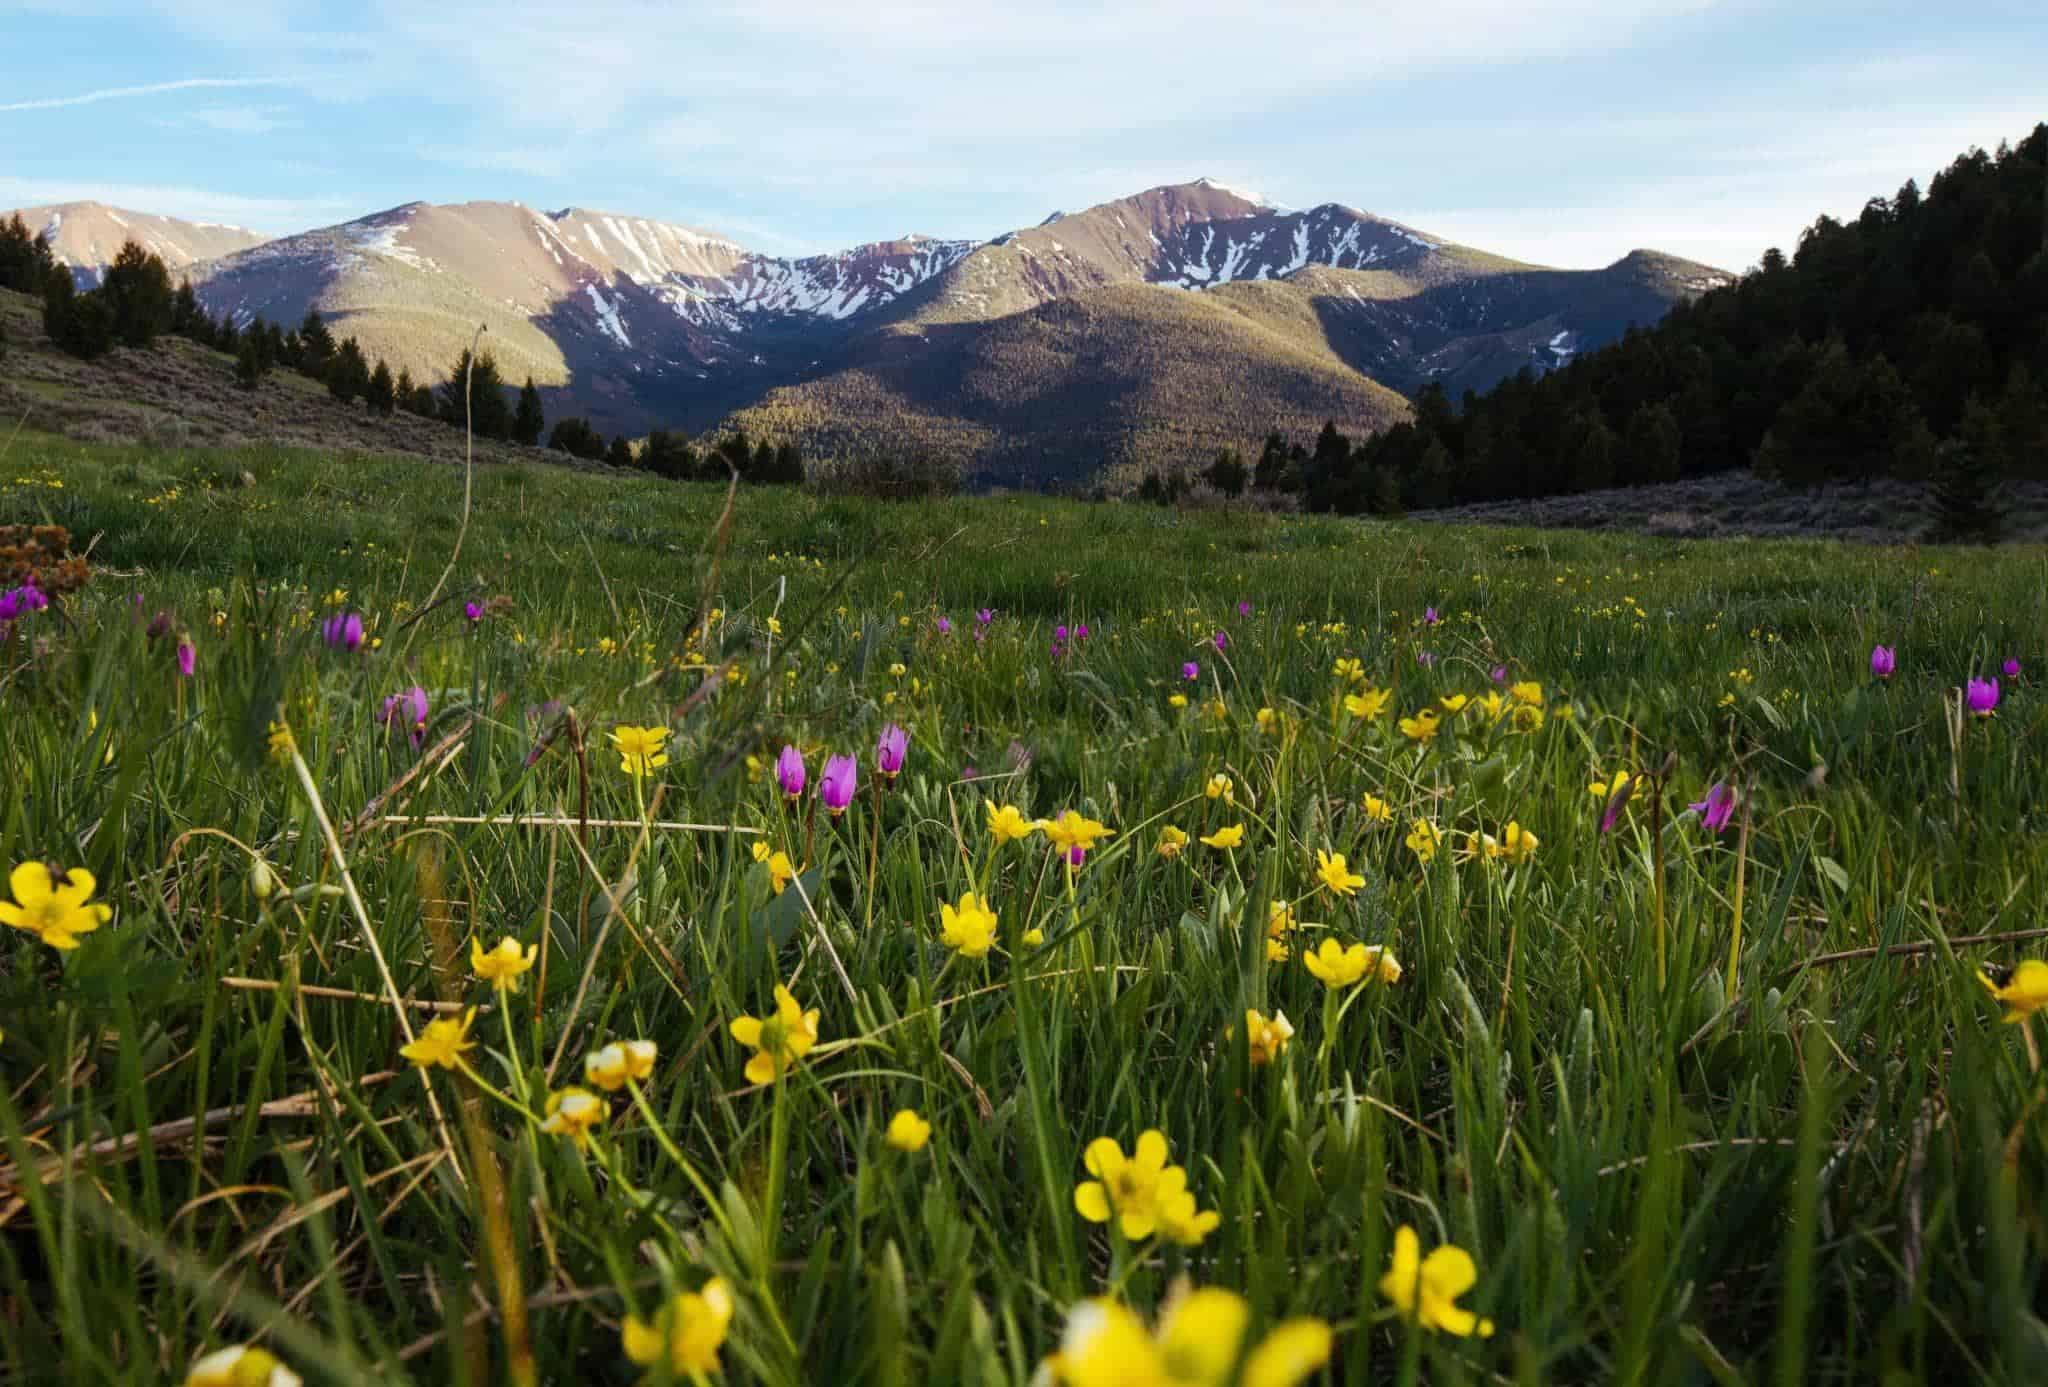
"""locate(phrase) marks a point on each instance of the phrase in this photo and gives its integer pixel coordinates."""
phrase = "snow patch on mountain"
(608, 315)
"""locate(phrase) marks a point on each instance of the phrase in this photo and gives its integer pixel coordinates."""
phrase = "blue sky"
(1566, 133)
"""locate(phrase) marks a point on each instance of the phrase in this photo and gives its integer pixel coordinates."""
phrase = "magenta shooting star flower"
(408, 709)
(2011, 669)
(1717, 808)
(943, 626)
(1244, 609)
(1430, 616)
(343, 631)
(1426, 658)
(19, 602)
(789, 772)
(1081, 633)
(984, 616)
(1222, 642)
(1499, 674)
(188, 657)
(472, 612)
(1982, 697)
(837, 784)
(890, 749)
(1883, 660)
(1191, 671)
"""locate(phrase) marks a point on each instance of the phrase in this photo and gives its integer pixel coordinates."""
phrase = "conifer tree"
(25, 260)
(348, 373)
(1652, 444)
(137, 290)
(80, 324)
(474, 395)
(315, 346)
(527, 419)
(188, 319)
(620, 453)
(381, 394)
(249, 367)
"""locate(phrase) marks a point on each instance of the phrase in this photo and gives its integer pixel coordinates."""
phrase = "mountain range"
(1146, 331)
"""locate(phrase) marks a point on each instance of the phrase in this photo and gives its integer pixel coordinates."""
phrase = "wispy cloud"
(88, 98)
(240, 120)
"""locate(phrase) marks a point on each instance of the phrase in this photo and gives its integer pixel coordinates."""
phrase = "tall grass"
(1806, 1153)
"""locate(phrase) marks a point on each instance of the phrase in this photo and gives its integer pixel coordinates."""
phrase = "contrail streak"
(152, 89)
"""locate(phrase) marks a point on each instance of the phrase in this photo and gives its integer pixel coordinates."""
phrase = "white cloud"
(240, 120)
(271, 215)
(88, 98)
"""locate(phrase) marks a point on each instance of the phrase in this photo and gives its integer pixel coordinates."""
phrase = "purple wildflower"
(2011, 668)
(1499, 674)
(1883, 660)
(473, 612)
(159, 626)
(1191, 671)
(1717, 808)
(984, 616)
(789, 771)
(1059, 635)
(890, 749)
(410, 709)
(1076, 856)
(945, 627)
(837, 784)
(1617, 802)
(1244, 609)
(1430, 617)
(188, 657)
(343, 631)
(1222, 642)
(1426, 658)
(1982, 697)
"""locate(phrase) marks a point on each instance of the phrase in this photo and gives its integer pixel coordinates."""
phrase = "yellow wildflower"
(1132, 1187)
(1423, 839)
(687, 1332)
(1177, 701)
(780, 870)
(1197, 1343)
(242, 1366)
(1604, 790)
(779, 1041)
(1006, 825)
(1267, 1037)
(1378, 810)
(611, 1066)
(572, 1113)
(1420, 728)
(1225, 838)
(1221, 787)
(1070, 829)
(1171, 841)
(639, 749)
(443, 1042)
(502, 966)
(1335, 874)
(908, 1131)
(1349, 670)
(1368, 702)
(1528, 693)
(279, 742)
(2025, 993)
(1269, 721)
(55, 907)
(1453, 703)
(1426, 1289)
(970, 928)
(1337, 966)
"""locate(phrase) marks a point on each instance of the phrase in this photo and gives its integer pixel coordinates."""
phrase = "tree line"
(1910, 342)
(134, 304)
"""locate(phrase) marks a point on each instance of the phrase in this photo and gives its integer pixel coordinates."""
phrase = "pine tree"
(25, 260)
(528, 420)
(474, 395)
(1968, 474)
(620, 453)
(188, 319)
(137, 289)
(249, 366)
(1591, 448)
(348, 373)
(1652, 445)
(315, 346)
(381, 394)
(1272, 463)
(575, 437)
(80, 324)
(1227, 473)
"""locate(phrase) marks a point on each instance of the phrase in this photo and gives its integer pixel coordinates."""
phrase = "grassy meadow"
(1575, 1069)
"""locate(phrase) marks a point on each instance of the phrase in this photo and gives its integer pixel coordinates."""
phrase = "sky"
(1565, 132)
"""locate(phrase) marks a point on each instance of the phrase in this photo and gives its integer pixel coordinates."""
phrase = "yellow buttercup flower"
(609, 1068)
(1337, 966)
(1494, 705)
(443, 1042)
(1279, 919)
(1267, 1037)
(1378, 810)
(1196, 1345)
(780, 1041)
(1181, 1222)
(1130, 1188)
(686, 1333)
(1221, 787)
(1454, 703)
(501, 966)
(1070, 829)
(572, 1113)
(969, 929)
(1368, 702)
(242, 1366)
(1528, 693)
(639, 749)
(1006, 825)
(1269, 721)
(1349, 670)
(1426, 1289)
(1336, 875)
(55, 907)
(908, 1131)
(2025, 993)
(1420, 728)
(1171, 841)
(1225, 838)
(778, 864)
(1516, 845)
(1177, 701)
(1423, 839)
(279, 742)
(1604, 790)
